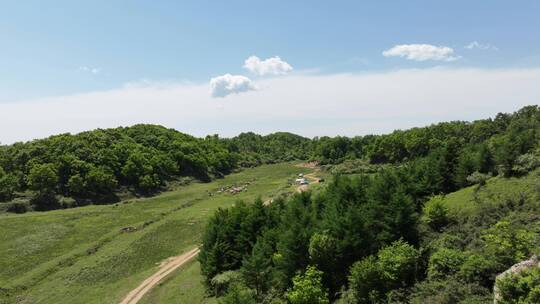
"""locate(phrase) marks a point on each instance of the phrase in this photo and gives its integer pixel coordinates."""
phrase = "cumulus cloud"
(227, 84)
(306, 104)
(422, 52)
(269, 66)
(91, 70)
(481, 46)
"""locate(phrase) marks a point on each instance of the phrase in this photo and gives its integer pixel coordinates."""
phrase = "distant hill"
(104, 165)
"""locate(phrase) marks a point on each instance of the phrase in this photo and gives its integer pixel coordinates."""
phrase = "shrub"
(444, 262)
(365, 280)
(525, 163)
(238, 294)
(66, 202)
(520, 288)
(449, 291)
(398, 263)
(224, 280)
(373, 277)
(435, 214)
(8, 184)
(507, 243)
(477, 178)
(479, 269)
(307, 288)
(322, 248)
(18, 207)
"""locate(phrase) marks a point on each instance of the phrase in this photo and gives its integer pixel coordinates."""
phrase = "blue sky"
(62, 48)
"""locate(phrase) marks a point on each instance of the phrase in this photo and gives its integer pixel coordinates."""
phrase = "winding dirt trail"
(165, 269)
(173, 263)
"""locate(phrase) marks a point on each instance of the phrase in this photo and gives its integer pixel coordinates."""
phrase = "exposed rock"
(128, 229)
(534, 261)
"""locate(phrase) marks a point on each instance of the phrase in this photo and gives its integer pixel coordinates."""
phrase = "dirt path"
(165, 269)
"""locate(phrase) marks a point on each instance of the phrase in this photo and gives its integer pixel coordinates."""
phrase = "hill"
(434, 228)
(96, 254)
(108, 165)
(408, 217)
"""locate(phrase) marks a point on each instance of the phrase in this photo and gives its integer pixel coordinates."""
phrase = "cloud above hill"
(421, 52)
(307, 104)
(228, 84)
(269, 66)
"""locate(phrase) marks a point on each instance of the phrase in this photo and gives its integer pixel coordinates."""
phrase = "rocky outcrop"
(534, 261)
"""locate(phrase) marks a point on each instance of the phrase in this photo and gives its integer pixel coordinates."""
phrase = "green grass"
(497, 190)
(183, 286)
(81, 255)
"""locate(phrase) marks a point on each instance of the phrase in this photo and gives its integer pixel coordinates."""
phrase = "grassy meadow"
(97, 254)
(496, 191)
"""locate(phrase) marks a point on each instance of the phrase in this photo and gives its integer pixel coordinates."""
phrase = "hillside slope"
(97, 254)
(485, 230)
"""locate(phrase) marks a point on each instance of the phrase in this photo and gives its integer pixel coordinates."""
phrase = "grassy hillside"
(497, 190)
(83, 255)
(489, 229)
(183, 286)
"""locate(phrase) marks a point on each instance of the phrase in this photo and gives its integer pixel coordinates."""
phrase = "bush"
(8, 184)
(18, 207)
(445, 262)
(322, 249)
(224, 280)
(398, 263)
(436, 214)
(507, 243)
(66, 202)
(365, 280)
(373, 277)
(449, 291)
(307, 288)
(479, 269)
(525, 163)
(477, 178)
(238, 294)
(521, 288)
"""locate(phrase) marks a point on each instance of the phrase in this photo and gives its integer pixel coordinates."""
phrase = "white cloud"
(269, 66)
(92, 70)
(422, 52)
(344, 104)
(481, 46)
(227, 84)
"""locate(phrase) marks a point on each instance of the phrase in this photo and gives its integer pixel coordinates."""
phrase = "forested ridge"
(389, 235)
(95, 166)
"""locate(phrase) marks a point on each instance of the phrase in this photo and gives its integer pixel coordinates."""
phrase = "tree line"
(94, 166)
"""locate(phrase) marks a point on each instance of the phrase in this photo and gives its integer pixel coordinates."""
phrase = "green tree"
(307, 288)
(395, 266)
(365, 281)
(238, 294)
(43, 180)
(445, 262)
(398, 264)
(435, 213)
(8, 185)
(76, 185)
(508, 243)
(257, 269)
(100, 182)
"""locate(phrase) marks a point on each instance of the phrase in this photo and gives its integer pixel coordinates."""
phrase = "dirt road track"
(165, 269)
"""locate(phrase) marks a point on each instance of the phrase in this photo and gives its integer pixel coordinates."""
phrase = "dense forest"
(385, 236)
(97, 166)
